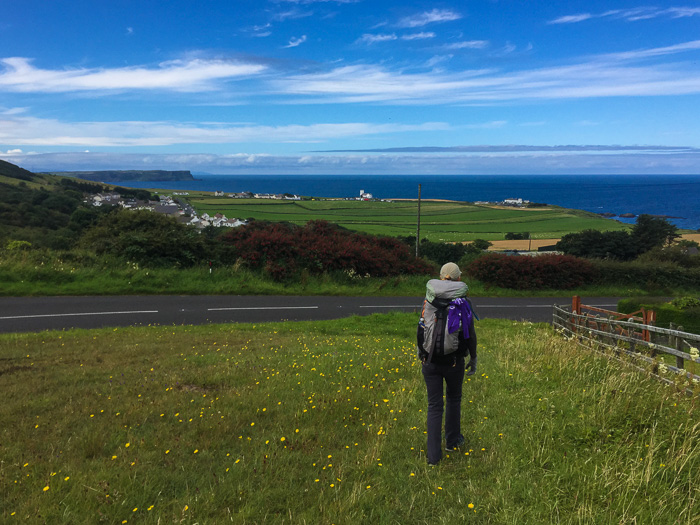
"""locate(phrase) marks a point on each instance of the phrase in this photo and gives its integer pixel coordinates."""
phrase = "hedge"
(531, 273)
(650, 275)
(666, 313)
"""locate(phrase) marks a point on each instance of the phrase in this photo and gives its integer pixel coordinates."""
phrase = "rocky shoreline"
(609, 215)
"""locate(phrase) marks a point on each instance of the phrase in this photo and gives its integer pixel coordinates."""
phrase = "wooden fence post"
(648, 317)
(576, 304)
(575, 309)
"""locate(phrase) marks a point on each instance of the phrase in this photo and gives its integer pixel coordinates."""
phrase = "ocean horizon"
(674, 196)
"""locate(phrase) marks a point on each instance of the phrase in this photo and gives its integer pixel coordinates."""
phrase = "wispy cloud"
(369, 39)
(528, 160)
(261, 31)
(19, 75)
(467, 44)
(631, 15)
(20, 130)
(525, 148)
(294, 42)
(610, 75)
(292, 14)
(418, 36)
(429, 17)
(639, 54)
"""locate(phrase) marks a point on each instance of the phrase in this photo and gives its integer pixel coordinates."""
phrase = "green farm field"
(440, 221)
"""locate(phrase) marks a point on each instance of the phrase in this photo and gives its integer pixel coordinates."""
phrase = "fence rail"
(627, 335)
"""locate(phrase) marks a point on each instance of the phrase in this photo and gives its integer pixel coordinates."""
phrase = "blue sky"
(351, 86)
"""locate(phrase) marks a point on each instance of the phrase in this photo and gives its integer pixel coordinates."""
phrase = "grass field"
(440, 221)
(324, 423)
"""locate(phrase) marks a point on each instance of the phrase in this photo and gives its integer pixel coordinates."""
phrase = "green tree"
(441, 252)
(513, 236)
(650, 232)
(479, 244)
(595, 244)
(147, 238)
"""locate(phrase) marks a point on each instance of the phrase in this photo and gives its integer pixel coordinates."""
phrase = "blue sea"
(677, 196)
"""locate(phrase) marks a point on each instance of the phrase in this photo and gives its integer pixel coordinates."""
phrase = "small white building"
(515, 202)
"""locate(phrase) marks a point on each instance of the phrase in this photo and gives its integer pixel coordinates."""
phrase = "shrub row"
(565, 272)
(649, 275)
(283, 249)
(530, 273)
(666, 313)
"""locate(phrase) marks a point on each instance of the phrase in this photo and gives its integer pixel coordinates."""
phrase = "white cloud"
(418, 36)
(293, 14)
(495, 124)
(526, 162)
(654, 52)
(682, 12)
(20, 75)
(294, 42)
(438, 59)
(631, 15)
(611, 75)
(372, 39)
(571, 19)
(429, 17)
(468, 44)
(32, 131)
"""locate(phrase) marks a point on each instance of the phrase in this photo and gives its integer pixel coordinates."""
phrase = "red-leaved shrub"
(282, 249)
(531, 273)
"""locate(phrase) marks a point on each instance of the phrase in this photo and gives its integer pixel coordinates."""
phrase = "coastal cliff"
(124, 175)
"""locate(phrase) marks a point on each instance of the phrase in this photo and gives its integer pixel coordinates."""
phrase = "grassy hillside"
(440, 221)
(324, 423)
(12, 175)
(15, 172)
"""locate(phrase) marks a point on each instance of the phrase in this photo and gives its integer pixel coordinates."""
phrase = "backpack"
(446, 314)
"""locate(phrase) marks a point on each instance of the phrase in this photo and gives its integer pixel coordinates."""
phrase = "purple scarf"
(459, 312)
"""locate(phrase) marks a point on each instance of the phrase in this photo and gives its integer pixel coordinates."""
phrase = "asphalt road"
(34, 314)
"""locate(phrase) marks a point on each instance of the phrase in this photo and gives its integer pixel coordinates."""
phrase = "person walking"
(447, 368)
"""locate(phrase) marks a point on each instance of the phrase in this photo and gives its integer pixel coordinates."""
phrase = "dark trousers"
(453, 377)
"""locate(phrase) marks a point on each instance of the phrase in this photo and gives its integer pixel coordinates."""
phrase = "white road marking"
(79, 314)
(265, 308)
(394, 306)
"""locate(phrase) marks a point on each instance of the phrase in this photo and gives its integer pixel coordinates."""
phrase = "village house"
(102, 199)
(515, 202)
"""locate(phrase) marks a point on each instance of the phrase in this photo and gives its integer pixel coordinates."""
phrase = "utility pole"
(418, 225)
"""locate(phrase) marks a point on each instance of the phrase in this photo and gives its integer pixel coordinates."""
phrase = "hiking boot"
(471, 367)
(456, 446)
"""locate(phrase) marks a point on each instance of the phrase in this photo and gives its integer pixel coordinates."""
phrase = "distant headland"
(129, 175)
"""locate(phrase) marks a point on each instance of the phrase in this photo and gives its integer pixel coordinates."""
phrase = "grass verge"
(324, 423)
